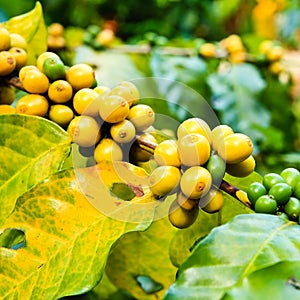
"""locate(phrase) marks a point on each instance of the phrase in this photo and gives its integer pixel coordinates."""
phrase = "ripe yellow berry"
(24, 70)
(84, 102)
(237, 147)
(242, 169)
(134, 92)
(142, 116)
(20, 56)
(195, 182)
(7, 94)
(185, 202)
(84, 130)
(218, 134)
(194, 149)
(35, 82)
(164, 180)
(61, 114)
(56, 29)
(7, 63)
(113, 109)
(214, 201)
(80, 76)
(7, 109)
(194, 125)
(166, 154)
(107, 149)
(4, 39)
(208, 50)
(60, 91)
(123, 132)
(32, 104)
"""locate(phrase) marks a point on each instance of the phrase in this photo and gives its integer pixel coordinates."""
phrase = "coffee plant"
(118, 188)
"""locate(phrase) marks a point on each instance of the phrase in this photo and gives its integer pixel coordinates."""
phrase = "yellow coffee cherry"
(7, 63)
(42, 57)
(80, 76)
(32, 104)
(35, 82)
(109, 150)
(164, 180)
(4, 39)
(265, 46)
(166, 154)
(275, 53)
(208, 50)
(233, 43)
(218, 134)
(214, 200)
(100, 89)
(195, 182)
(194, 149)
(182, 218)
(7, 94)
(20, 56)
(24, 70)
(105, 37)
(18, 41)
(123, 132)
(237, 147)
(276, 67)
(60, 91)
(138, 154)
(7, 109)
(134, 92)
(238, 57)
(84, 102)
(113, 109)
(142, 116)
(186, 202)
(194, 125)
(56, 29)
(56, 42)
(61, 114)
(242, 169)
(84, 130)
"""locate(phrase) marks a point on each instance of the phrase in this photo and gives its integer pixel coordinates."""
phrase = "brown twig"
(14, 81)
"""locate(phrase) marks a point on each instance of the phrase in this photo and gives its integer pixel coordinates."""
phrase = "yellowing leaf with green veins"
(32, 27)
(67, 240)
(142, 260)
(31, 149)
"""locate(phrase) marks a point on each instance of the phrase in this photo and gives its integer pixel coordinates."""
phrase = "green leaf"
(279, 281)
(142, 259)
(31, 149)
(232, 252)
(67, 238)
(32, 27)
(122, 191)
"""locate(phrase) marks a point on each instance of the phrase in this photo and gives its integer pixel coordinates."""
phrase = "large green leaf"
(279, 281)
(32, 27)
(67, 240)
(143, 257)
(31, 149)
(232, 252)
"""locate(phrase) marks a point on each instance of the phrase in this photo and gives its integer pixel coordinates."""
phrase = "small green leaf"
(122, 191)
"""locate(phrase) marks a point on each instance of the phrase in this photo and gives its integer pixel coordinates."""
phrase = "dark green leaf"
(122, 191)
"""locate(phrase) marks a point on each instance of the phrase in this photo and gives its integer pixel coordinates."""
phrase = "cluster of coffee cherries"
(193, 166)
(277, 194)
(56, 40)
(233, 49)
(13, 56)
(50, 88)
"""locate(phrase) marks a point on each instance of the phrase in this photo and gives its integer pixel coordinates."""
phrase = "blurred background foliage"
(245, 95)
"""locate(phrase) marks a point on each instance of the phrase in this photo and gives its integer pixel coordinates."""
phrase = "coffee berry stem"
(14, 81)
(225, 186)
